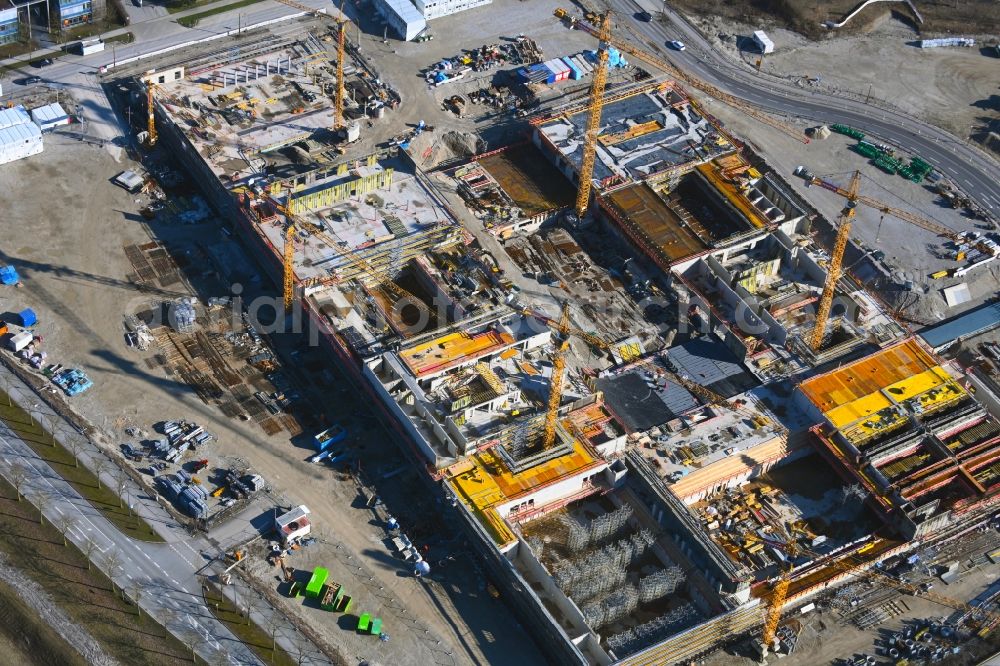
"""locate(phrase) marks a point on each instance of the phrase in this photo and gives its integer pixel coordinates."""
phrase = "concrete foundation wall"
(521, 598)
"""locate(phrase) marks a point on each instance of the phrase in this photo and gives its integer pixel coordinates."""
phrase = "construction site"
(617, 464)
(620, 352)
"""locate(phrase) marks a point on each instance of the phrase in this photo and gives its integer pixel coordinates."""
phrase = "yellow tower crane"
(338, 116)
(555, 386)
(354, 259)
(906, 216)
(342, 21)
(851, 564)
(563, 330)
(151, 122)
(593, 124)
(288, 266)
(836, 262)
(689, 79)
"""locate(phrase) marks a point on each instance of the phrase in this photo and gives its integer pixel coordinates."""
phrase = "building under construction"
(906, 428)
(625, 492)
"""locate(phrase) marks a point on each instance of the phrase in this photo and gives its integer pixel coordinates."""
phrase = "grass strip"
(237, 620)
(40, 551)
(191, 20)
(65, 462)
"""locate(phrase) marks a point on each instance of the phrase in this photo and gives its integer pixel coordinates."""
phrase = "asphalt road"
(166, 574)
(971, 170)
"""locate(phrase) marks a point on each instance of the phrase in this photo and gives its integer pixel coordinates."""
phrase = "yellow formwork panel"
(917, 384)
(340, 191)
(857, 409)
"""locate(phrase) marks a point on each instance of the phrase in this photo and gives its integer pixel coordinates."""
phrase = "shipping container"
(574, 71)
(20, 340)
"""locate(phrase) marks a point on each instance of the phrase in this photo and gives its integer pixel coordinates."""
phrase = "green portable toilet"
(345, 603)
(376, 627)
(315, 585)
(364, 621)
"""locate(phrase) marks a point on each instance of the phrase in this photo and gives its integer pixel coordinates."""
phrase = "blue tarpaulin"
(8, 275)
(28, 317)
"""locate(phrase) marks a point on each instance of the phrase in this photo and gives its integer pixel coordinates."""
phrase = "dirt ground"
(67, 240)
(957, 89)
(943, 17)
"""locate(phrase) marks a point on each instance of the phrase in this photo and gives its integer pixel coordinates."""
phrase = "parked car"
(31, 80)
(676, 45)
(644, 16)
(44, 62)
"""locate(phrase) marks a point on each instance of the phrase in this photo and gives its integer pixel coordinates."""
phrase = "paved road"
(167, 574)
(973, 171)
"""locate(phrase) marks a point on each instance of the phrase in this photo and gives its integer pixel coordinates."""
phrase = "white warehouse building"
(432, 9)
(408, 18)
(19, 136)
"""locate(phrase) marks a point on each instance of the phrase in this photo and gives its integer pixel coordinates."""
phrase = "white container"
(19, 341)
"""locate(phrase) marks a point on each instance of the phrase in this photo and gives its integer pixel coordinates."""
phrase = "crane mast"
(288, 264)
(836, 262)
(593, 121)
(338, 118)
(151, 122)
(555, 388)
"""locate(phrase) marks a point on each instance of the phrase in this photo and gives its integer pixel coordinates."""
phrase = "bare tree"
(65, 524)
(42, 501)
(88, 548)
(136, 589)
(300, 652)
(251, 605)
(50, 421)
(169, 615)
(273, 625)
(192, 637)
(121, 483)
(100, 466)
(113, 563)
(74, 445)
(18, 476)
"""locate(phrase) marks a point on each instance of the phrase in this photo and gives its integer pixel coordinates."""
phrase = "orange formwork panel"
(453, 349)
(867, 375)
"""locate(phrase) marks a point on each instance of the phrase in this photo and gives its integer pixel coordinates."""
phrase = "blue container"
(28, 317)
(9, 276)
(574, 71)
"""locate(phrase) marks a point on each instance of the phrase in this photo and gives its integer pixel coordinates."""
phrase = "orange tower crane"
(338, 117)
(593, 126)
(836, 263)
(906, 216)
(555, 386)
(689, 79)
(151, 121)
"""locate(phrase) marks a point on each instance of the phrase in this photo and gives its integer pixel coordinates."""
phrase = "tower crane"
(593, 125)
(840, 245)
(338, 116)
(779, 588)
(354, 259)
(564, 329)
(836, 262)
(886, 209)
(151, 121)
(685, 77)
